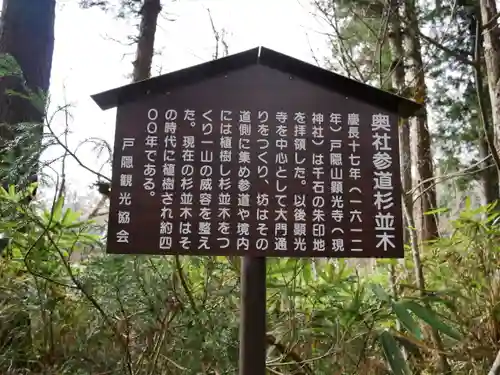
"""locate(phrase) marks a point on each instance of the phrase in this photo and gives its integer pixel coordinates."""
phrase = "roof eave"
(408, 108)
(322, 77)
(264, 56)
(117, 96)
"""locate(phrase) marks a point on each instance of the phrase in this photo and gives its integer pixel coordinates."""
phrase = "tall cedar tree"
(464, 121)
(490, 31)
(148, 11)
(145, 42)
(420, 137)
(395, 25)
(464, 134)
(26, 34)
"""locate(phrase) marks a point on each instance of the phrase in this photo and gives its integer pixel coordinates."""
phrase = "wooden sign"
(256, 162)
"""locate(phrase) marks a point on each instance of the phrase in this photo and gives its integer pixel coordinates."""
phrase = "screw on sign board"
(256, 154)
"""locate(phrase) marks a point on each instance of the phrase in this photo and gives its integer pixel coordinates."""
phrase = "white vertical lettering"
(383, 182)
(123, 215)
(244, 130)
(336, 182)
(169, 173)
(355, 195)
(206, 157)
(262, 214)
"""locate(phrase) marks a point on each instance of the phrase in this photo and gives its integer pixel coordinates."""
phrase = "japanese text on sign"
(272, 182)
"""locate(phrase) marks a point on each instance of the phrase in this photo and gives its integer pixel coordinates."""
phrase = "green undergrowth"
(67, 308)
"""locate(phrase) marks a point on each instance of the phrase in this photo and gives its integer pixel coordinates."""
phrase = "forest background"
(67, 308)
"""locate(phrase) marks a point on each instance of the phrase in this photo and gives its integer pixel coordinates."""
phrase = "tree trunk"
(145, 42)
(27, 34)
(399, 84)
(425, 199)
(489, 174)
(491, 39)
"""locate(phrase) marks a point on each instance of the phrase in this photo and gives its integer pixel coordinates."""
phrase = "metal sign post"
(253, 316)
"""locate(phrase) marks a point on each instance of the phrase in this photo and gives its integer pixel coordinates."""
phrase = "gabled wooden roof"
(258, 56)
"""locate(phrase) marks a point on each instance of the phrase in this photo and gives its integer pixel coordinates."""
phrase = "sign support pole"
(253, 316)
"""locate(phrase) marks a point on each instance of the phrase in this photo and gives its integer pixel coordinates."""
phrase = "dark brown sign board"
(261, 155)
(256, 154)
